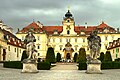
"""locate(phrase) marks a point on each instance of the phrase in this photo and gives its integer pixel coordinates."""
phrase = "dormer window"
(55, 31)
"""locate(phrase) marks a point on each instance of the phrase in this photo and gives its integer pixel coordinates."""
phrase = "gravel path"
(15, 74)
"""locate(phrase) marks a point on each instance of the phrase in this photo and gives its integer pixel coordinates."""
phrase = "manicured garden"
(19, 65)
(106, 60)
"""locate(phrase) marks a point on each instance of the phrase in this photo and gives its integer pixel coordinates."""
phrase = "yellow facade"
(3, 47)
(41, 43)
(70, 34)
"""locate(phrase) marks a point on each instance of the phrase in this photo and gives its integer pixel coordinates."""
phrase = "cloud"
(20, 13)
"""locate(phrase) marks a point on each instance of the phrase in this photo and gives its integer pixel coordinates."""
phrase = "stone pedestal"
(94, 67)
(29, 67)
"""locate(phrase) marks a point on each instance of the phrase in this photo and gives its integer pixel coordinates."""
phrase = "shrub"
(58, 57)
(82, 66)
(43, 66)
(107, 56)
(50, 56)
(24, 55)
(107, 65)
(101, 58)
(82, 55)
(13, 64)
(75, 57)
(19, 65)
(118, 59)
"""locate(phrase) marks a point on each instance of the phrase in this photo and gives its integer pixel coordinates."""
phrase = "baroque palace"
(68, 38)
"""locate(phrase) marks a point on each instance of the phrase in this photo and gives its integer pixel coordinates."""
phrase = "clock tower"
(68, 24)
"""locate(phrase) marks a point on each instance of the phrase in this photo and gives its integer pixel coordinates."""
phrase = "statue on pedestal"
(94, 44)
(30, 46)
(30, 64)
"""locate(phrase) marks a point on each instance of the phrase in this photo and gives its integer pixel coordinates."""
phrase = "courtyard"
(62, 71)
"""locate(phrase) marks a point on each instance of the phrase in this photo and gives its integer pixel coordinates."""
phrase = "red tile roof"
(12, 39)
(32, 26)
(114, 44)
(50, 29)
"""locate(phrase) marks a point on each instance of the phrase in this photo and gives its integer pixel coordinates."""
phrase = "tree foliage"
(50, 56)
(58, 57)
(107, 56)
(101, 58)
(75, 57)
(82, 55)
(24, 55)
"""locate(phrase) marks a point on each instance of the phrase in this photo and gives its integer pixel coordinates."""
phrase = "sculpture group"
(30, 64)
(94, 44)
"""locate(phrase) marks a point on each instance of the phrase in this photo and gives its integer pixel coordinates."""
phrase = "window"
(38, 38)
(20, 50)
(66, 40)
(38, 54)
(106, 38)
(38, 47)
(112, 37)
(15, 49)
(8, 48)
(60, 40)
(53, 40)
(48, 40)
(60, 48)
(68, 20)
(17, 54)
(83, 40)
(22, 37)
(68, 32)
(76, 40)
(76, 48)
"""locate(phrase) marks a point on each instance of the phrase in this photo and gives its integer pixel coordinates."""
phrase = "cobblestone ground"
(53, 74)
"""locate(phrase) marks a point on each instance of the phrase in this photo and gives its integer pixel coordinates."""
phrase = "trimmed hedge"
(43, 66)
(13, 64)
(82, 66)
(19, 65)
(104, 65)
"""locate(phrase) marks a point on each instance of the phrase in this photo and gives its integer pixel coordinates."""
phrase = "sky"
(20, 13)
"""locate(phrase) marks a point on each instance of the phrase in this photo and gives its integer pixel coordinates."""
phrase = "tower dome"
(68, 14)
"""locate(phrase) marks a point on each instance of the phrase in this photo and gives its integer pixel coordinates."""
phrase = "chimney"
(18, 29)
(39, 24)
(117, 30)
(85, 24)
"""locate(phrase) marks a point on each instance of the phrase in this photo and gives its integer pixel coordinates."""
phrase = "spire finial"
(33, 20)
(68, 7)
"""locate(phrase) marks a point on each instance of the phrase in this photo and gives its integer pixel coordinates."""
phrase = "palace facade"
(68, 38)
(11, 47)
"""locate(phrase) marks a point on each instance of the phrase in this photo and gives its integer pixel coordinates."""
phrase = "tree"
(58, 57)
(101, 58)
(50, 56)
(82, 55)
(107, 56)
(75, 57)
(24, 55)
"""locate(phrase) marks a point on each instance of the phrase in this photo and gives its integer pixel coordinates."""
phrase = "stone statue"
(30, 46)
(94, 44)
(30, 64)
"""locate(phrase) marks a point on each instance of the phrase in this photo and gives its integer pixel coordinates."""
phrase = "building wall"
(40, 44)
(3, 45)
(13, 53)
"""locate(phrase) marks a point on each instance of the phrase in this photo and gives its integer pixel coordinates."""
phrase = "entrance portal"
(68, 56)
(4, 54)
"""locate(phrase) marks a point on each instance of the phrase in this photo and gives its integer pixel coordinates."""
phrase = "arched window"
(68, 32)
